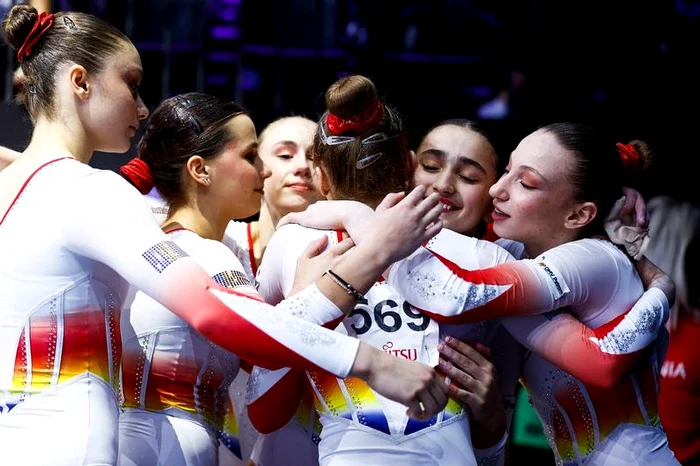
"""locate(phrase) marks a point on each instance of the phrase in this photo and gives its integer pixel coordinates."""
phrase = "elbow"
(605, 376)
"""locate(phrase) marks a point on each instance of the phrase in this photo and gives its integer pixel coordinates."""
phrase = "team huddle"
(382, 309)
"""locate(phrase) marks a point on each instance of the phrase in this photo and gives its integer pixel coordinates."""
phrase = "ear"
(582, 215)
(321, 181)
(198, 170)
(79, 81)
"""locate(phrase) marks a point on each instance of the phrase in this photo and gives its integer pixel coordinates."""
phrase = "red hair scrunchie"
(630, 157)
(138, 173)
(43, 23)
(360, 122)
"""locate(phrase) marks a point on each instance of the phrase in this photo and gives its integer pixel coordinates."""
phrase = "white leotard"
(585, 424)
(236, 442)
(359, 425)
(69, 243)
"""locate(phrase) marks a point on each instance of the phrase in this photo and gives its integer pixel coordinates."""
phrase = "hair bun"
(18, 23)
(351, 95)
(138, 173)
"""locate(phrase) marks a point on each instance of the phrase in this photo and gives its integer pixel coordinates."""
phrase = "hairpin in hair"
(182, 110)
(69, 23)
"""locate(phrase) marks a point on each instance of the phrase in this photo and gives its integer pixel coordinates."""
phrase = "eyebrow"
(463, 159)
(131, 67)
(285, 143)
(530, 169)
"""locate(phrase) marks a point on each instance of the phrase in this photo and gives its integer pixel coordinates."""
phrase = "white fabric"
(64, 288)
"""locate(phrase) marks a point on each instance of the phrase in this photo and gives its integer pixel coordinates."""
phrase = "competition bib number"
(387, 317)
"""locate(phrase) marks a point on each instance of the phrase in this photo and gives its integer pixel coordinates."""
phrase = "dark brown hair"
(183, 126)
(599, 174)
(74, 37)
(391, 167)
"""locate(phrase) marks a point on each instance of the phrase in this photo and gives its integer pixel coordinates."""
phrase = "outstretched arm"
(600, 356)
(108, 221)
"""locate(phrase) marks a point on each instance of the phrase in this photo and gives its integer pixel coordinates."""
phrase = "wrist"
(376, 257)
(365, 362)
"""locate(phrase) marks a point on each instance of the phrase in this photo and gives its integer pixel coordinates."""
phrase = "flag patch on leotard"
(231, 279)
(163, 254)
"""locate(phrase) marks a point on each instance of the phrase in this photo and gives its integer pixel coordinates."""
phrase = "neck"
(267, 222)
(57, 139)
(199, 218)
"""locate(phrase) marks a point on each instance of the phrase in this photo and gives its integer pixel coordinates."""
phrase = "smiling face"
(284, 148)
(534, 199)
(461, 165)
(114, 110)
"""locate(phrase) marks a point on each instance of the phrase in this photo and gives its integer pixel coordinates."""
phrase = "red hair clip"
(629, 155)
(42, 24)
(360, 122)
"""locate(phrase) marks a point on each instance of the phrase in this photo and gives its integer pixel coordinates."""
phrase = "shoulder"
(516, 248)
(236, 236)
(590, 257)
(293, 239)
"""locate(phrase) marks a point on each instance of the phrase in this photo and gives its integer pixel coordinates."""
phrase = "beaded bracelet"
(349, 289)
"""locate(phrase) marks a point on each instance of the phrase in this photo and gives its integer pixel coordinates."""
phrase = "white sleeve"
(600, 356)
(445, 284)
(108, 221)
(275, 278)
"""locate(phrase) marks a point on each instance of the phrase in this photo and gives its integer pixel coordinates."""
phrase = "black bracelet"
(349, 289)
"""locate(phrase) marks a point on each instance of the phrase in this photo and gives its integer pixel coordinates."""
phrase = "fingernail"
(441, 347)
(449, 339)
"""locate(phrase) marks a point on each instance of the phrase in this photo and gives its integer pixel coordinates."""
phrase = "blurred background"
(626, 66)
(623, 65)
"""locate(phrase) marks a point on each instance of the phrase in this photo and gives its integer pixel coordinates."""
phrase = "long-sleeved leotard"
(169, 370)
(585, 423)
(238, 439)
(591, 277)
(360, 426)
(603, 348)
(70, 242)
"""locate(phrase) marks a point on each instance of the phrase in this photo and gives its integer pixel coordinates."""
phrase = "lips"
(498, 214)
(447, 205)
(300, 187)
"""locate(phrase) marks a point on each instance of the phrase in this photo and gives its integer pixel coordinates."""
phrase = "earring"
(206, 180)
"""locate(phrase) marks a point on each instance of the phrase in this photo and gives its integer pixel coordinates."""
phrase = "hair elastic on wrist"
(349, 289)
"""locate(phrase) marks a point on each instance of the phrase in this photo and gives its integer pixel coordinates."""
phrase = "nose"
(263, 169)
(498, 189)
(301, 166)
(142, 110)
(444, 184)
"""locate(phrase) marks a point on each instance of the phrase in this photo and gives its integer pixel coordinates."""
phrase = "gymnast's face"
(461, 165)
(534, 200)
(237, 174)
(285, 149)
(113, 109)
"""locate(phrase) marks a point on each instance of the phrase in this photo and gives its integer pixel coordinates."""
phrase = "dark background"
(626, 66)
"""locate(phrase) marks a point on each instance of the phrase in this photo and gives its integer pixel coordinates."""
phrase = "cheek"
(421, 177)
